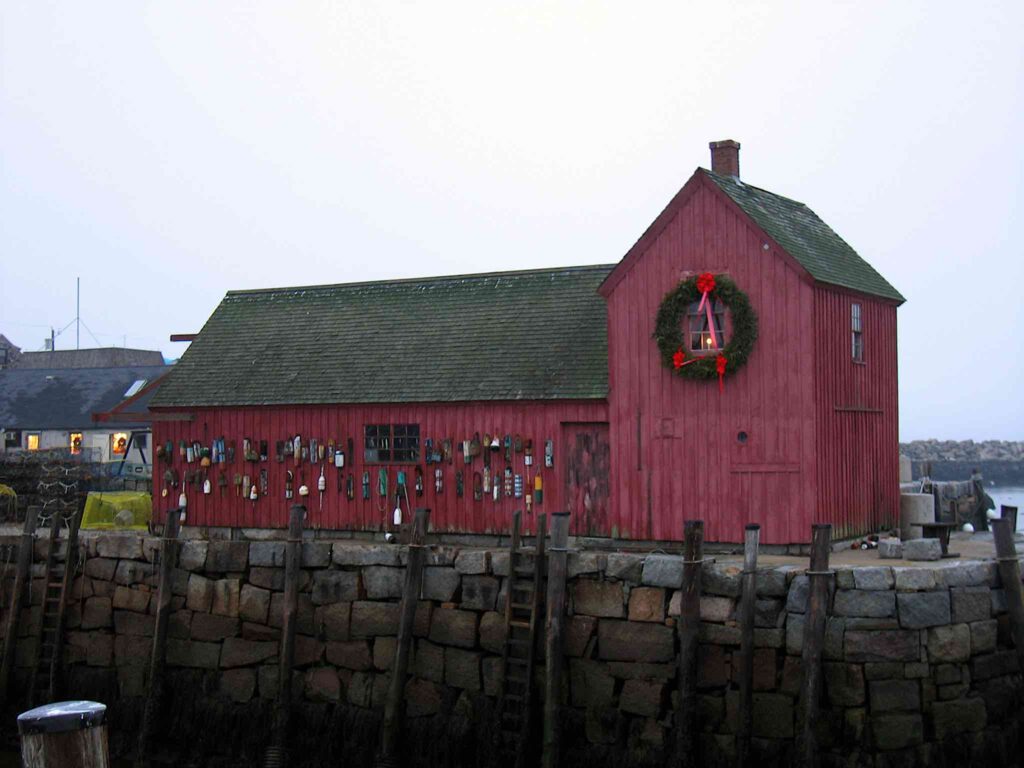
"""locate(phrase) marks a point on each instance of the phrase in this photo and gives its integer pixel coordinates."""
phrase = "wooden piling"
(69, 733)
(814, 642)
(21, 580)
(392, 726)
(555, 651)
(275, 755)
(689, 630)
(1009, 573)
(748, 601)
(168, 561)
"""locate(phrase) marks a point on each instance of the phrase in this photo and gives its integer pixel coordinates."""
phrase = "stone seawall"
(919, 666)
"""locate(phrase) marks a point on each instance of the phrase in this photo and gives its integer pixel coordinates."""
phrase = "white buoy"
(992, 514)
(398, 515)
(968, 528)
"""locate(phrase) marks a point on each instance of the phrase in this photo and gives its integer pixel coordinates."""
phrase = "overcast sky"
(169, 152)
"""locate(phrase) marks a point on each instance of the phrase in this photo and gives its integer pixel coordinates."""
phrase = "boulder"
(473, 562)
(918, 610)
(129, 599)
(370, 619)
(130, 623)
(239, 685)
(210, 628)
(873, 578)
(192, 555)
(185, 653)
(454, 627)
(640, 697)
(225, 597)
(597, 598)
(625, 567)
(663, 571)
(646, 604)
(380, 581)
(922, 549)
(950, 643)
(200, 593)
(857, 602)
(119, 546)
(971, 604)
(882, 645)
(440, 583)
(895, 695)
(335, 587)
(914, 579)
(479, 593)
(237, 652)
(462, 669)
(267, 554)
(332, 621)
(254, 604)
(352, 554)
(353, 654)
(97, 612)
(315, 554)
(632, 641)
(322, 684)
(227, 556)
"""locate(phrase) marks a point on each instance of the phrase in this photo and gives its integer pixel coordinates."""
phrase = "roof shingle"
(806, 238)
(532, 335)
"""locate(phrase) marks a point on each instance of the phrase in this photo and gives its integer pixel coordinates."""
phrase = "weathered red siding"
(674, 448)
(857, 414)
(537, 421)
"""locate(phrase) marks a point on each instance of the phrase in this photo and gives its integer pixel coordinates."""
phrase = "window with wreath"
(702, 336)
(76, 443)
(398, 443)
(119, 443)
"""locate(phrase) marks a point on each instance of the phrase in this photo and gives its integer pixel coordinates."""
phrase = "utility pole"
(78, 309)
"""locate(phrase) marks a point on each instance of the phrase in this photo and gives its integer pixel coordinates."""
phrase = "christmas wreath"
(671, 339)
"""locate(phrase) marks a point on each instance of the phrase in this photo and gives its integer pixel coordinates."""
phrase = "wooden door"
(587, 483)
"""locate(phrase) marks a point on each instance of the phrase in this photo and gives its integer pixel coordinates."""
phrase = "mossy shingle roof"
(532, 335)
(806, 238)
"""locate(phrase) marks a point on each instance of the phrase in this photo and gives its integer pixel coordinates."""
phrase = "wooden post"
(555, 651)
(21, 579)
(275, 755)
(689, 629)
(747, 605)
(71, 733)
(392, 726)
(168, 561)
(1007, 512)
(814, 641)
(1009, 572)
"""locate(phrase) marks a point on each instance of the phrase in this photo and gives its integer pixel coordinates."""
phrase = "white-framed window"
(32, 441)
(857, 333)
(699, 337)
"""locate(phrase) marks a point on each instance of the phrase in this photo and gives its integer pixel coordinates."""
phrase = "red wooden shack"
(458, 393)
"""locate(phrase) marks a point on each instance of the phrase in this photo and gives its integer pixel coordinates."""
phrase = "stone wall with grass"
(918, 662)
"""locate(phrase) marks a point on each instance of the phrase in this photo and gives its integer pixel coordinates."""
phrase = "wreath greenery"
(669, 335)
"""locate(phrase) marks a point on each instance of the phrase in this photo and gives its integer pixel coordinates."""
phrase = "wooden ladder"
(58, 578)
(523, 621)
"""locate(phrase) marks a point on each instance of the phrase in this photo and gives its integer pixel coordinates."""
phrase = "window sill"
(859, 362)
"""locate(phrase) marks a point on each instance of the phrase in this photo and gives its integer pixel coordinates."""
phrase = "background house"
(562, 361)
(46, 408)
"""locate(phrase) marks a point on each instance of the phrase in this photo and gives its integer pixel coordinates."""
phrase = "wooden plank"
(689, 629)
(555, 648)
(286, 657)
(168, 560)
(1009, 572)
(814, 643)
(391, 731)
(746, 616)
(21, 581)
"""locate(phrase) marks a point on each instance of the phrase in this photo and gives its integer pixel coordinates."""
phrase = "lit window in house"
(76, 442)
(857, 331)
(32, 441)
(398, 443)
(119, 443)
(699, 333)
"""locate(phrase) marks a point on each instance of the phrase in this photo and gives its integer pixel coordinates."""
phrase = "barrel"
(65, 734)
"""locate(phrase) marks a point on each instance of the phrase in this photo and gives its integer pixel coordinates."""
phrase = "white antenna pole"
(78, 310)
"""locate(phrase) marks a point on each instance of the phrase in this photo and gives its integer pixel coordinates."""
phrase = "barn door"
(587, 480)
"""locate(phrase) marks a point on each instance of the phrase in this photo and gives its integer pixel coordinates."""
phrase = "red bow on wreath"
(679, 359)
(720, 363)
(706, 282)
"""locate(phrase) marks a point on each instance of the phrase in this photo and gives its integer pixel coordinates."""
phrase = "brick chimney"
(725, 157)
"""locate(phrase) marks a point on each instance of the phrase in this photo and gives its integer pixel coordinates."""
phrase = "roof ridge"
(759, 189)
(430, 279)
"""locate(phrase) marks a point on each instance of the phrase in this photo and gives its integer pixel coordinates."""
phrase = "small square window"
(398, 443)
